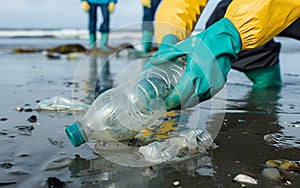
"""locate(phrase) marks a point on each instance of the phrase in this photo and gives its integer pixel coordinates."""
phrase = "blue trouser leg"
(149, 14)
(147, 27)
(104, 27)
(92, 18)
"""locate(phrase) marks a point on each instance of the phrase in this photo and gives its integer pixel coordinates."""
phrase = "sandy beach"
(241, 147)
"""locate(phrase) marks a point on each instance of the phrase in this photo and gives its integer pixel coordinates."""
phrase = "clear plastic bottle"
(119, 113)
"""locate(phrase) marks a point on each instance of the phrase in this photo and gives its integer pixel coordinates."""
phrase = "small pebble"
(176, 183)
(273, 163)
(28, 110)
(55, 182)
(24, 127)
(289, 165)
(7, 183)
(3, 133)
(270, 138)
(6, 165)
(23, 155)
(3, 119)
(32, 119)
(20, 109)
(287, 182)
(18, 172)
(26, 133)
(271, 173)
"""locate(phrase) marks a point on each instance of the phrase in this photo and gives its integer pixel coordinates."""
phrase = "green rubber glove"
(209, 56)
(165, 45)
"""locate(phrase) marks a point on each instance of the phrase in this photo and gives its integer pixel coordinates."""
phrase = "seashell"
(270, 138)
(59, 163)
(242, 178)
(271, 173)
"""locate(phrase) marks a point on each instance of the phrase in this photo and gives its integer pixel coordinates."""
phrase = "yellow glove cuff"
(146, 3)
(85, 6)
(111, 7)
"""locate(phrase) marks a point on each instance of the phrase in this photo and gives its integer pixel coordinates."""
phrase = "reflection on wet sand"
(100, 172)
(242, 148)
(100, 78)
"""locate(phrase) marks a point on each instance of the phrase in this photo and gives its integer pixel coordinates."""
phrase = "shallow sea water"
(243, 116)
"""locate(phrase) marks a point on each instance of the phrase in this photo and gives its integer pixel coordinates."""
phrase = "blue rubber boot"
(147, 41)
(268, 77)
(93, 40)
(103, 42)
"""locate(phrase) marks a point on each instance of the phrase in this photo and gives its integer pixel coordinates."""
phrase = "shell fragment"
(242, 178)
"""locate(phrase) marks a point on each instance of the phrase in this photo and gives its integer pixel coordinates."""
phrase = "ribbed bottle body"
(119, 113)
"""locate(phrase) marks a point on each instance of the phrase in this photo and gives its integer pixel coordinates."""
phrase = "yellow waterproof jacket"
(257, 21)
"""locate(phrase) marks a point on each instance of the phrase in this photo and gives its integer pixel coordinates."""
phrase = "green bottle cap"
(75, 135)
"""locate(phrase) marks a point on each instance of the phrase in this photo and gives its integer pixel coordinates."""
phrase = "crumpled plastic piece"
(59, 103)
(187, 143)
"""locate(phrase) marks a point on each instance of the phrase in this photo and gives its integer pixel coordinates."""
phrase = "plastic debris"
(187, 143)
(59, 163)
(56, 142)
(59, 103)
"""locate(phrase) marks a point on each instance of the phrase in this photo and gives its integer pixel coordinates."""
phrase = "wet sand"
(240, 145)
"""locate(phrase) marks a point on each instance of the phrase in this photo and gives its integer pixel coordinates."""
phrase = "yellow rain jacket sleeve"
(258, 21)
(177, 17)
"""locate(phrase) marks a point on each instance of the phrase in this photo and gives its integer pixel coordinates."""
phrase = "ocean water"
(239, 119)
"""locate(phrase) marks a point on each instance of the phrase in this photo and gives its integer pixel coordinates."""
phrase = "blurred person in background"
(107, 7)
(149, 9)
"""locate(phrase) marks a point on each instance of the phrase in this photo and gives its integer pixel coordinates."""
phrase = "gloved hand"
(111, 7)
(85, 6)
(166, 44)
(146, 3)
(209, 56)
